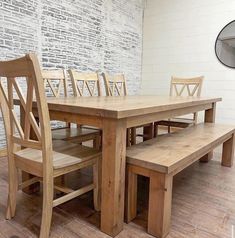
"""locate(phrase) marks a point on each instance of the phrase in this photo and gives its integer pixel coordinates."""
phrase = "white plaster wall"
(179, 39)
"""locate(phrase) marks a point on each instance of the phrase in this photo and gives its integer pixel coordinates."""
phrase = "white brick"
(89, 35)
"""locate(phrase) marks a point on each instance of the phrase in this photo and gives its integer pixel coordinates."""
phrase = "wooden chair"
(56, 85)
(85, 84)
(181, 87)
(39, 156)
(116, 86)
(56, 82)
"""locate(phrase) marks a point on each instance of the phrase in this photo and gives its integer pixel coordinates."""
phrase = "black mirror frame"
(231, 67)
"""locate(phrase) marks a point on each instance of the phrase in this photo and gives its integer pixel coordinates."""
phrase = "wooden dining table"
(113, 115)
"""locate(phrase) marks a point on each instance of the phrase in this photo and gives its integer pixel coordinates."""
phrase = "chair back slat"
(85, 84)
(115, 85)
(18, 132)
(56, 82)
(190, 86)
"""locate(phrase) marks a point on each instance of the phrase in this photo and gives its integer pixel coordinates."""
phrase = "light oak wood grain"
(36, 155)
(113, 176)
(165, 156)
(168, 152)
(136, 110)
(209, 118)
(116, 85)
(85, 84)
(202, 206)
(179, 87)
(57, 83)
(3, 152)
(125, 106)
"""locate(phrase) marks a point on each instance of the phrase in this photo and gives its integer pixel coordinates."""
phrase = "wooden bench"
(163, 157)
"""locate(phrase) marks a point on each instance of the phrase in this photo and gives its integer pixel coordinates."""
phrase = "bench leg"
(228, 152)
(206, 158)
(209, 118)
(160, 199)
(131, 195)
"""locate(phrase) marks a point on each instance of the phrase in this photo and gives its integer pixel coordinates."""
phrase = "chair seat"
(78, 134)
(65, 154)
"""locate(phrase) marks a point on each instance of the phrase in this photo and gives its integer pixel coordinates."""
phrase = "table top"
(126, 106)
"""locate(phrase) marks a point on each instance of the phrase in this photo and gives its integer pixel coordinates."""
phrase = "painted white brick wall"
(179, 38)
(89, 35)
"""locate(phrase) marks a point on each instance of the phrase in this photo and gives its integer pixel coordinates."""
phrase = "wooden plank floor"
(203, 207)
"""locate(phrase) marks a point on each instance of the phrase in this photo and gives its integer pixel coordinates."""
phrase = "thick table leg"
(160, 199)
(228, 152)
(25, 176)
(113, 176)
(209, 118)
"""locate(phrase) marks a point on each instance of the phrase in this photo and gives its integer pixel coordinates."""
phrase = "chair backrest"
(56, 82)
(190, 86)
(18, 133)
(115, 85)
(85, 84)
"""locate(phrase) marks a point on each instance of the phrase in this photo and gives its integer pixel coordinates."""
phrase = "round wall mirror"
(225, 45)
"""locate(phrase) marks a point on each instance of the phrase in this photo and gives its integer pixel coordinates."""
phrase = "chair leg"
(169, 129)
(97, 174)
(47, 207)
(59, 181)
(160, 199)
(128, 137)
(148, 132)
(133, 136)
(155, 133)
(228, 152)
(13, 188)
(97, 142)
(131, 195)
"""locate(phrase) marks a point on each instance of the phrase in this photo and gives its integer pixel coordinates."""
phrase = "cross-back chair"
(56, 85)
(38, 155)
(56, 82)
(85, 84)
(182, 87)
(115, 85)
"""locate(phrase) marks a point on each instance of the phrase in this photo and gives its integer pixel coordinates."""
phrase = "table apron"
(97, 121)
(75, 118)
(157, 116)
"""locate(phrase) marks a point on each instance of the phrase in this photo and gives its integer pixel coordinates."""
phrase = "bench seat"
(163, 157)
(171, 152)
